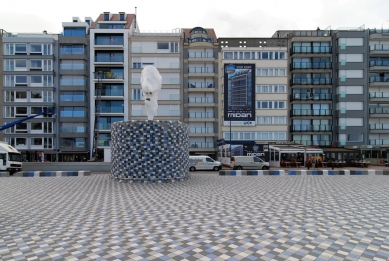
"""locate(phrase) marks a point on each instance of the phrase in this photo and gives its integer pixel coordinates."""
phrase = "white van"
(203, 163)
(10, 158)
(248, 162)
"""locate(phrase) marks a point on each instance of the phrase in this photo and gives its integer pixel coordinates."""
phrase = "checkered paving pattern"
(208, 217)
(150, 150)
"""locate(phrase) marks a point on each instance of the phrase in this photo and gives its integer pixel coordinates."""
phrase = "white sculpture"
(151, 81)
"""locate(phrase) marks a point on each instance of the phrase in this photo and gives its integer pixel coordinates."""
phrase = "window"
(20, 65)
(20, 95)
(35, 48)
(350, 58)
(271, 105)
(355, 137)
(354, 122)
(20, 49)
(73, 127)
(345, 74)
(74, 31)
(163, 46)
(106, 17)
(350, 106)
(36, 141)
(266, 120)
(72, 80)
(136, 94)
(174, 47)
(350, 90)
(72, 96)
(72, 49)
(271, 72)
(9, 49)
(121, 17)
(72, 112)
(72, 65)
(227, 55)
(350, 42)
(20, 80)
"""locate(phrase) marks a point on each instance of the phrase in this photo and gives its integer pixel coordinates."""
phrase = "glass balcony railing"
(108, 92)
(201, 70)
(311, 81)
(72, 66)
(201, 100)
(379, 126)
(109, 40)
(311, 49)
(379, 63)
(111, 110)
(378, 31)
(72, 50)
(378, 110)
(117, 58)
(110, 75)
(379, 94)
(379, 78)
(201, 115)
(306, 65)
(201, 145)
(378, 142)
(311, 128)
(105, 126)
(200, 39)
(309, 97)
(379, 47)
(201, 55)
(202, 130)
(311, 112)
(104, 142)
(314, 142)
(201, 85)
(72, 82)
(73, 114)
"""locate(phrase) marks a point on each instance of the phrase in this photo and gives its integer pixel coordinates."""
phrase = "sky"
(245, 18)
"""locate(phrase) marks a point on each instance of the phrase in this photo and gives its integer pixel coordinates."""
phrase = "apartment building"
(200, 81)
(329, 85)
(379, 88)
(73, 90)
(164, 51)
(269, 88)
(109, 77)
(29, 84)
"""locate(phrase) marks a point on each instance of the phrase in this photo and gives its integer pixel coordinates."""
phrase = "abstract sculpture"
(151, 81)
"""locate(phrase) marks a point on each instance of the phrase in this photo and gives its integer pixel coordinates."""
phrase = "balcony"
(378, 142)
(105, 126)
(201, 100)
(379, 126)
(109, 40)
(201, 115)
(311, 49)
(379, 47)
(111, 109)
(378, 31)
(379, 95)
(323, 143)
(201, 145)
(306, 65)
(104, 143)
(311, 112)
(201, 85)
(117, 58)
(311, 81)
(379, 110)
(201, 70)
(200, 39)
(202, 130)
(201, 55)
(110, 76)
(109, 92)
(311, 97)
(379, 63)
(311, 128)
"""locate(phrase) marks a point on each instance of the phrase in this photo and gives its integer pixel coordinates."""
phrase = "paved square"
(208, 217)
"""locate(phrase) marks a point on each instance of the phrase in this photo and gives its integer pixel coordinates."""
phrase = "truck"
(10, 158)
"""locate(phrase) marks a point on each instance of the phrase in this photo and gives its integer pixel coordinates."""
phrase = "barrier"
(302, 172)
(35, 174)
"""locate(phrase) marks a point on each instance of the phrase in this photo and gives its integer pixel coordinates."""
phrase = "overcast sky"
(250, 18)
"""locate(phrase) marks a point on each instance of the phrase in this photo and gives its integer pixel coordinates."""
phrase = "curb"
(301, 172)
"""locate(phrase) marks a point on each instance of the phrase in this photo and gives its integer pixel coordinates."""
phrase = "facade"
(109, 78)
(29, 84)
(201, 94)
(73, 90)
(270, 88)
(164, 51)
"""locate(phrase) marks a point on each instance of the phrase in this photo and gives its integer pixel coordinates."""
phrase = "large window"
(41, 80)
(73, 143)
(72, 80)
(72, 96)
(268, 120)
(73, 127)
(255, 135)
(270, 89)
(73, 112)
(106, 122)
(20, 48)
(264, 72)
(74, 31)
(72, 49)
(271, 105)
(72, 65)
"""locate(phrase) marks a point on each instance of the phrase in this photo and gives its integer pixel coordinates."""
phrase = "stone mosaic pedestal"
(149, 151)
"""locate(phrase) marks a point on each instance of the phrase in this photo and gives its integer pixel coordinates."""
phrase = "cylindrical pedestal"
(150, 150)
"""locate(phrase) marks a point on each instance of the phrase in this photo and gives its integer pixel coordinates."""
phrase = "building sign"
(239, 94)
